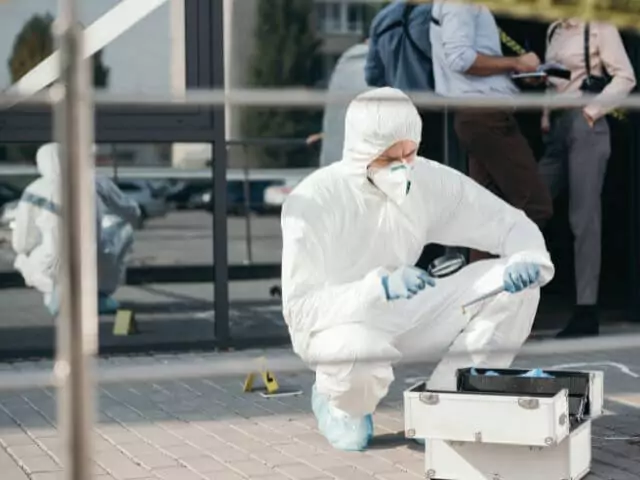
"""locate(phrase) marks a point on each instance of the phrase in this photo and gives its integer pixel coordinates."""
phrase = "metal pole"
(114, 152)
(78, 322)
(247, 205)
(445, 136)
(219, 169)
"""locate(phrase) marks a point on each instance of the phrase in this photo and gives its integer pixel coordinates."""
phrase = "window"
(329, 17)
(140, 57)
(340, 17)
(355, 18)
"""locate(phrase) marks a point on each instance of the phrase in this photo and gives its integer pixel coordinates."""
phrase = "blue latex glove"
(406, 282)
(520, 276)
(536, 373)
(488, 373)
(342, 431)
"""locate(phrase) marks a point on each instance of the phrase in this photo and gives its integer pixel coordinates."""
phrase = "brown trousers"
(501, 160)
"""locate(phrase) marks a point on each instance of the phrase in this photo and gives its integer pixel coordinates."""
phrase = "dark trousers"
(432, 148)
(432, 144)
(501, 160)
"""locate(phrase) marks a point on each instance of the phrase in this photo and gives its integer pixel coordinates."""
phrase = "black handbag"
(593, 83)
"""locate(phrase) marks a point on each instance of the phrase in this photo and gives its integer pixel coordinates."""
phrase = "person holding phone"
(469, 62)
(577, 146)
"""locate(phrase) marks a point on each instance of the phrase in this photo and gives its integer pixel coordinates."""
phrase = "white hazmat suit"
(342, 235)
(36, 233)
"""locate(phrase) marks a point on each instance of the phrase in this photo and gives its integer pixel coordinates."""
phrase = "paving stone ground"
(208, 429)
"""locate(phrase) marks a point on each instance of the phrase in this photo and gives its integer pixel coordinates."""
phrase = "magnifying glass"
(451, 263)
(446, 265)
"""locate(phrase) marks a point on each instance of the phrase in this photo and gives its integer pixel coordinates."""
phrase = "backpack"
(423, 52)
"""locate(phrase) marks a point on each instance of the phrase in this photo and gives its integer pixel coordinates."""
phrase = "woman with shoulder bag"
(577, 146)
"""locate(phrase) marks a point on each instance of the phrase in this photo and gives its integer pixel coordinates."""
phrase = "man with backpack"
(400, 57)
(468, 62)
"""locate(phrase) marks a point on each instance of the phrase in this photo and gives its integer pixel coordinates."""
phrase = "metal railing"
(78, 322)
(245, 144)
(73, 371)
(139, 275)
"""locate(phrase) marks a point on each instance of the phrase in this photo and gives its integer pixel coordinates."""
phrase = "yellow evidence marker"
(271, 388)
(125, 323)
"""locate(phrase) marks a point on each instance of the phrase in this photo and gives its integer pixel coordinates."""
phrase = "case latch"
(529, 403)
(429, 398)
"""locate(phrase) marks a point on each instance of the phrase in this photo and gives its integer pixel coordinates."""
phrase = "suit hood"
(376, 120)
(48, 161)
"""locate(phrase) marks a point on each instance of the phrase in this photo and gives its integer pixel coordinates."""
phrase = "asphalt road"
(186, 238)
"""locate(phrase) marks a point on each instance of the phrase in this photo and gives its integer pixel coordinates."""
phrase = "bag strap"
(552, 32)
(587, 48)
(398, 23)
(408, 9)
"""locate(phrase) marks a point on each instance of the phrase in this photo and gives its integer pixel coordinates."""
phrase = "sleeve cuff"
(547, 269)
(594, 112)
(462, 61)
(373, 286)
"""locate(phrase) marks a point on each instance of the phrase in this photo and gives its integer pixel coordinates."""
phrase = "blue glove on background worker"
(520, 276)
(406, 282)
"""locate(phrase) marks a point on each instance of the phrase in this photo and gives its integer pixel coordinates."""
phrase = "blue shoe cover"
(536, 373)
(107, 305)
(54, 307)
(369, 420)
(342, 431)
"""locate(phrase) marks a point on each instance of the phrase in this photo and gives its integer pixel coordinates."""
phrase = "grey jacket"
(347, 76)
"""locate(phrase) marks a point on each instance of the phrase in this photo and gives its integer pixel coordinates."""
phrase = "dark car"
(187, 196)
(236, 204)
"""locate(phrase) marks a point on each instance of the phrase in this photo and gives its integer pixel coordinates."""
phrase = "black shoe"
(583, 323)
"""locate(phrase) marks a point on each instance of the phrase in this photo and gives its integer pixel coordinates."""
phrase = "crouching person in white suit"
(353, 231)
(36, 238)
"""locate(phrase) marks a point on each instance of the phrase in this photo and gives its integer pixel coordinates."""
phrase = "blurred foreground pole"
(78, 320)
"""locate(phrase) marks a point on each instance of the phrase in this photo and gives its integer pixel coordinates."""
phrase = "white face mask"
(394, 180)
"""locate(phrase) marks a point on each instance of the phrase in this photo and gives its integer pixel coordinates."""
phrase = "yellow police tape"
(622, 13)
(511, 43)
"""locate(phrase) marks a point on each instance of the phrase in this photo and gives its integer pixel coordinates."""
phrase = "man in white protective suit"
(36, 233)
(351, 234)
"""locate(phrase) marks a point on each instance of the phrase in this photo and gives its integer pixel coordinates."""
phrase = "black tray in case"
(510, 382)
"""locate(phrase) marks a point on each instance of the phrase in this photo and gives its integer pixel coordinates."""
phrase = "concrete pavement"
(209, 429)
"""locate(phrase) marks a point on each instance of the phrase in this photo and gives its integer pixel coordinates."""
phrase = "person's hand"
(311, 139)
(545, 124)
(406, 282)
(590, 120)
(527, 63)
(520, 276)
